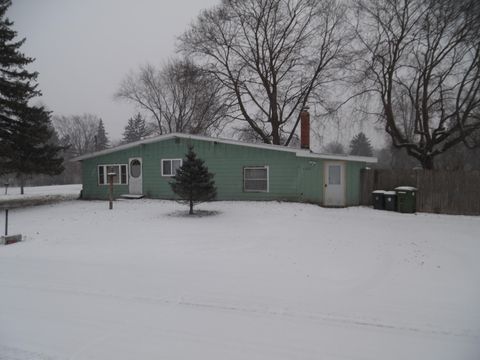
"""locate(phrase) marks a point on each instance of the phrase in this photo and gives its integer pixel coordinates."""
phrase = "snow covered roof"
(298, 152)
(406, 188)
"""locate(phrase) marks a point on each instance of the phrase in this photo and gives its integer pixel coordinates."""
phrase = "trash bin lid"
(378, 192)
(406, 188)
(390, 193)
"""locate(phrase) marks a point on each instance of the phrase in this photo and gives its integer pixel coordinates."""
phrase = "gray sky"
(83, 49)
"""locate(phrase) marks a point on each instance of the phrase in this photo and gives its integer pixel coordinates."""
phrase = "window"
(334, 172)
(170, 166)
(135, 168)
(120, 171)
(255, 179)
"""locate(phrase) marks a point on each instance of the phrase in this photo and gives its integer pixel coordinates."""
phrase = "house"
(243, 171)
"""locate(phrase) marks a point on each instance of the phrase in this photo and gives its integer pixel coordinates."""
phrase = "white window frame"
(171, 167)
(105, 176)
(255, 168)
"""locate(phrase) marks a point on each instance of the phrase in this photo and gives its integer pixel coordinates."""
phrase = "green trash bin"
(406, 199)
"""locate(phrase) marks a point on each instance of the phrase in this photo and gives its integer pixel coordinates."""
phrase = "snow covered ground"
(254, 281)
(13, 193)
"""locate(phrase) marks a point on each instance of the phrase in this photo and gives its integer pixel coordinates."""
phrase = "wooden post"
(6, 187)
(6, 222)
(110, 187)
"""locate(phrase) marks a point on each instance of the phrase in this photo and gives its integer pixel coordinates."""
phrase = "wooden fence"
(444, 192)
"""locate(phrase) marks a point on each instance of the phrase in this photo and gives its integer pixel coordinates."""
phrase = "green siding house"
(243, 171)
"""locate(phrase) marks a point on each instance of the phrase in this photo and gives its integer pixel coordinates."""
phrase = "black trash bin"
(390, 200)
(378, 199)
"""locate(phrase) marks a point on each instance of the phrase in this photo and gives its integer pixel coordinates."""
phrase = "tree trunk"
(191, 207)
(22, 184)
(428, 163)
(275, 131)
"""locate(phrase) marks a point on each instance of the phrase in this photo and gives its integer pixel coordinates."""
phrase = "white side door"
(334, 183)
(135, 186)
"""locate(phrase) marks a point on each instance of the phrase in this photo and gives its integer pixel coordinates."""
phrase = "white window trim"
(257, 167)
(105, 177)
(161, 166)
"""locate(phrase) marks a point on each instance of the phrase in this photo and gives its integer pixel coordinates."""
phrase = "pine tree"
(334, 147)
(193, 183)
(360, 145)
(34, 145)
(136, 129)
(15, 85)
(25, 131)
(102, 141)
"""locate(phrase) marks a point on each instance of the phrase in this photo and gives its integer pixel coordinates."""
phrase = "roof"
(298, 152)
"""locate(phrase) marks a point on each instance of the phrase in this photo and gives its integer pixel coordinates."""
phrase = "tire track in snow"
(330, 318)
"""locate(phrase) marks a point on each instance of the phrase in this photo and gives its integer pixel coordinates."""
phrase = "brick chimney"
(305, 128)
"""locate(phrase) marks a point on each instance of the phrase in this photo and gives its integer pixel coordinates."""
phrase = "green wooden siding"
(291, 178)
(353, 182)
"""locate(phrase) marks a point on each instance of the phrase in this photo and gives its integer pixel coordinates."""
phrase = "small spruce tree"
(102, 141)
(360, 145)
(193, 183)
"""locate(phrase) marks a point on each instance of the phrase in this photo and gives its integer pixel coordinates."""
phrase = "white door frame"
(135, 184)
(340, 201)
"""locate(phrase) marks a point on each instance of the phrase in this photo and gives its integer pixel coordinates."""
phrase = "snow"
(378, 192)
(247, 280)
(406, 188)
(389, 193)
(34, 192)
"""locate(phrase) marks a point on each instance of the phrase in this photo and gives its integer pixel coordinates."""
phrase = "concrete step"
(132, 196)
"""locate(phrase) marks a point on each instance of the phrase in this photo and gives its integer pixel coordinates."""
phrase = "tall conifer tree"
(360, 145)
(34, 147)
(102, 141)
(136, 129)
(25, 131)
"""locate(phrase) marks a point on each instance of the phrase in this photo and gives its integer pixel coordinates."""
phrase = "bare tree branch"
(180, 97)
(271, 56)
(424, 63)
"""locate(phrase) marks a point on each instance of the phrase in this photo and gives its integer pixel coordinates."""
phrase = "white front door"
(135, 176)
(334, 183)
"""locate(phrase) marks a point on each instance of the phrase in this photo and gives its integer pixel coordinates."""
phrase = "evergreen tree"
(334, 147)
(101, 140)
(15, 85)
(136, 129)
(193, 183)
(360, 145)
(34, 145)
(25, 131)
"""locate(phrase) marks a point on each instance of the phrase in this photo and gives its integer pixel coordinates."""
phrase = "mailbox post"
(110, 189)
(6, 222)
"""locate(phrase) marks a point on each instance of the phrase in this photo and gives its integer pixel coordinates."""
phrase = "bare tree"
(180, 97)
(78, 132)
(271, 56)
(422, 59)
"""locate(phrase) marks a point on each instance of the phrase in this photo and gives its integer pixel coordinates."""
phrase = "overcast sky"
(83, 48)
